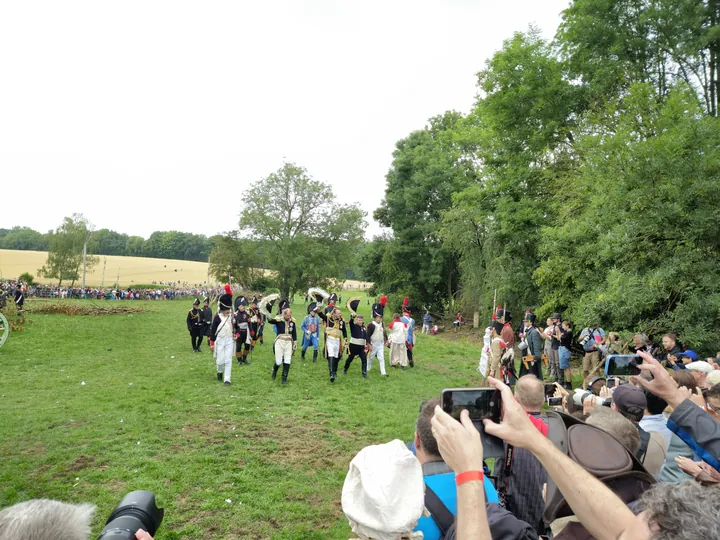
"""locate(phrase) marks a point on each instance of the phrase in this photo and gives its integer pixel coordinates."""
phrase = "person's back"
(522, 482)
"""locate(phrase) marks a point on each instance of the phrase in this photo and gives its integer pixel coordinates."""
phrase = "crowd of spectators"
(635, 459)
(161, 291)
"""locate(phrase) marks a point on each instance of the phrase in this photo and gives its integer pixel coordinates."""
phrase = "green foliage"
(427, 169)
(23, 238)
(638, 243)
(65, 253)
(306, 237)
(27, 277)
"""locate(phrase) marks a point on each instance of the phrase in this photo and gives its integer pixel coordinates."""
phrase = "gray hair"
(617, 425)
(642, 336)
(684, 511)
(43, 519)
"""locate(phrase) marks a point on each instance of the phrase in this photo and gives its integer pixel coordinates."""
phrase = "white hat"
(384, 493)
(700, 365)
(714, 377)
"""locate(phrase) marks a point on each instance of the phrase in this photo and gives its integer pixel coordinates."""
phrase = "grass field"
(131, 270)
(151, 415)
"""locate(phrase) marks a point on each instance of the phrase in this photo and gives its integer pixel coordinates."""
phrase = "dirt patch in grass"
(80, 463)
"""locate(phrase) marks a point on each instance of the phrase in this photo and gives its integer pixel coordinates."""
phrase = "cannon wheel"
(4, 329)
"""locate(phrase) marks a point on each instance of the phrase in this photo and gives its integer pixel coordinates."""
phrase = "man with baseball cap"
(700, 370)
(631, 402)
(683, 359)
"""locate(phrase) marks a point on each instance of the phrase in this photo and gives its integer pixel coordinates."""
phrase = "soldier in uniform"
(285, 342)
(311, 331)
(377, 339)
(255, 322)
(532, 349)
(207, 318)
(410, 322)
(261, 323)
(358, 338)
(242, 322)
(223, 336)
(196, 325)
(19, 297)
(335, 331)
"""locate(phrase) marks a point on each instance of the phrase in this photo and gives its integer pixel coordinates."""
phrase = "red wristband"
(468, 476)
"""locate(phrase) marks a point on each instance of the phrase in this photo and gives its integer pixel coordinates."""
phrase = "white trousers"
(379, 352)
(224, 352)
(333, 347)
(426, 329)
(283, 351)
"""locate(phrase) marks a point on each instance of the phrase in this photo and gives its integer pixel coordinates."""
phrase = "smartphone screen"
(554, 402)
(550, 390)
(622, 365)
(611, 382)
(481, 403)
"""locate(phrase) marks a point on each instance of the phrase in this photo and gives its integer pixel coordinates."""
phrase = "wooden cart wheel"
(4, 329)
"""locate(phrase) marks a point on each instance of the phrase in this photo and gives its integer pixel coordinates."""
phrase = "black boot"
(302, 355)
(333, 371)
(244, 358)
(364, 369)
(239, 359)
(347, 366)
(220, 377)
(315, 357)
(286, 370)
(275, 370)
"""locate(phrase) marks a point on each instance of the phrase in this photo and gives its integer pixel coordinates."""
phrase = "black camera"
(136, 510)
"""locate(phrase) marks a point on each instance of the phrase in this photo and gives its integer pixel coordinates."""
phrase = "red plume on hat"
(228, 290)
(383, 301)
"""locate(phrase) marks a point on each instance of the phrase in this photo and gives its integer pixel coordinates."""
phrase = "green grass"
(152, 415)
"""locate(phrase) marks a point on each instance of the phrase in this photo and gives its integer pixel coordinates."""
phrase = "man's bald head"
(530, 393)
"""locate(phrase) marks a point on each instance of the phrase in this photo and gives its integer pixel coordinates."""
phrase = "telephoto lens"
(136, 510)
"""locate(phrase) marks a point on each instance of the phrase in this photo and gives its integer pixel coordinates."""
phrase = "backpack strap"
(644, 441)
(439, 512)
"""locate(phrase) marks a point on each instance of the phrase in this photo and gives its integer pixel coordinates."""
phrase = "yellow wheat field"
(131, 270)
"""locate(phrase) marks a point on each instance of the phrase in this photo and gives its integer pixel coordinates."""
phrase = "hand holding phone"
(481, 404)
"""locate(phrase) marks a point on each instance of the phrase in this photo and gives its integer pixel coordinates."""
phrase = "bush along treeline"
(585, 179)
(160, 244)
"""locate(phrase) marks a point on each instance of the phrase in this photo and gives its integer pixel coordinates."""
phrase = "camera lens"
(137, 510)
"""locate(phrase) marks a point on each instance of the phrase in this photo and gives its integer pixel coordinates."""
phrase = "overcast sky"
(156, 115)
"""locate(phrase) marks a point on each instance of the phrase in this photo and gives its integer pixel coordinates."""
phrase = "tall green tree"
(636, 246)
(520, 138)
(427, 169)
(308, 236)
(65, 254)
(611, 44)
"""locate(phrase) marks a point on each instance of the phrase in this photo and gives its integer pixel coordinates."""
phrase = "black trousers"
(196, 336)
(357, 350)
(535, 368)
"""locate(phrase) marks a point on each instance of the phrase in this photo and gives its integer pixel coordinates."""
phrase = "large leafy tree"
(520, 139)
(308, 237)
(427, 169)
(611, 44)
(637, 243)
(65, 254)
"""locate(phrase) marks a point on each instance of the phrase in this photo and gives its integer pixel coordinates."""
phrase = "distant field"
(132, 270)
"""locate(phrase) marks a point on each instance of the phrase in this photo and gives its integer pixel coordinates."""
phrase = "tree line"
(585, 179)
(160, 245)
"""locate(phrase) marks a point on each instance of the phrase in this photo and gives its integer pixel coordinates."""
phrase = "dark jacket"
(357, 331)
(195, 319)
(285, 327)
(697, 423)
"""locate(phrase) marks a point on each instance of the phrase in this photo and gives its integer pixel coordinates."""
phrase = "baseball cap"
(714, 377)
(700, 365)
(689, 354)
(627, 395)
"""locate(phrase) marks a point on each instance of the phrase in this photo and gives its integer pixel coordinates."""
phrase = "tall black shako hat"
(312, 307)
(333, 298)
(196, 302)
(530, 316)
(225, 300)
(503, 315)
(378, 308)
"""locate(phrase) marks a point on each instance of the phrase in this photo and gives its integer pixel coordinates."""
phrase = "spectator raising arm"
(591, 501)
(461, 448)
